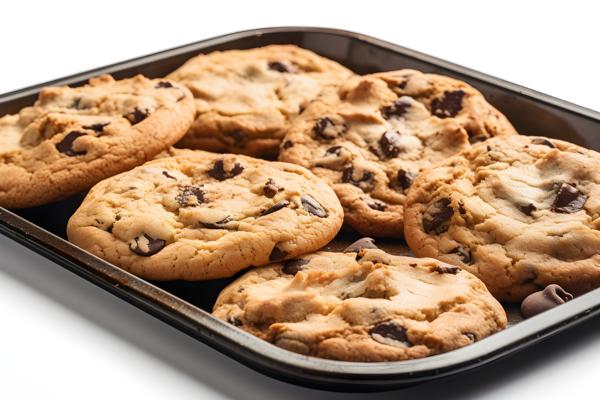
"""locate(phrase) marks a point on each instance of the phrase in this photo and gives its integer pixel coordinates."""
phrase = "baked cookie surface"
(245, 99)
(370, 137)
(203, 216)
(363, 305)
(520, 213)
(72, 138)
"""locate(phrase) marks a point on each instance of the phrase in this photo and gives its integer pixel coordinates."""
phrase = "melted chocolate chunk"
(365, 182)
(65, 146)
(388, 333)
(405, 178)
(568, 199)
(218, 172)
(363, 243)
(163, 85)
(287, 144)
(271, 189)
(96, 127)
(166, 174)
(146, 246)
(76, 104)
(137, 116)
(446, 269)
(538, 302)
(326, 129)
(276, 207)
(234, 321)
(391, 144)
(219, 224)
(527, 209)
(292, 267)
(376, 205)
(449, 105)
(277, 254)
(463, 253)
(312, 206)
(280, 67)
(544, 142)
(190, 196)
(437, 217)
(398, 109)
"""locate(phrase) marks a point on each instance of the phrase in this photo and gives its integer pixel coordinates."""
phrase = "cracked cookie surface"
(520, 213)
(245, 99)
(364, 305)
(372, 135)
(72, 138)
(202, 215)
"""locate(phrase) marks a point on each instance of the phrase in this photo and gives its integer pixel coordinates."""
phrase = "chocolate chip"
(471, 336)
(437, 217)
(405, 178)
(543, 142)
(292, 267)
(280, 67)
(463, 253)
(391, 143)
(163, 85)
(335, 150)
(65, 146)
(527, 209)
(146, 246)
(277, 254)
(312, 206)
(376, 205)
(446, 269)
(234, 321)
(398, 109)
(365, 182)
(276, 207)
(166, 173)
(538, 302)
(237, 137)
(271, 189)
(568, 199)
(219, 224)
(389, 333)
(190, 196)
(76, 103)
(363, 243)
(449, 105)
(326, 129)
(136, 116)
(218, 172)
(287, 144)
(96, 127)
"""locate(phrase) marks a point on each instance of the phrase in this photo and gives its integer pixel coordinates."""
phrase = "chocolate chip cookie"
(246, 98)
(72, 138)
(362, 305)
(520, 213)
(371, 136)
(203, 216)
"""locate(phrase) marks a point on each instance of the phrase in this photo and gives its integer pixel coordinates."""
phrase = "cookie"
(202, 215)
(245, 99)
(72, 138)
(520, 213)
(363, 305)
(371, 136)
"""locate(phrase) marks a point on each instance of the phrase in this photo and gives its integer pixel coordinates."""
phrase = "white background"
(62, 338)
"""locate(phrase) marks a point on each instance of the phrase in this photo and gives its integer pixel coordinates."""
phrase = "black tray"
(187, 306)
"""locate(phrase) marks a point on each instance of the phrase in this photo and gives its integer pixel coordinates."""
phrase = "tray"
(187, 305)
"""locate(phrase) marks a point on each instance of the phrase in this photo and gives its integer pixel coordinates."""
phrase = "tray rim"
(250, 350)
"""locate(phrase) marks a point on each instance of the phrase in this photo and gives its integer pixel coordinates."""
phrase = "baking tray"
(187, 305)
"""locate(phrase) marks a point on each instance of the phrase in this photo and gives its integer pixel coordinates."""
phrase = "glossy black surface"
(185, 304)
